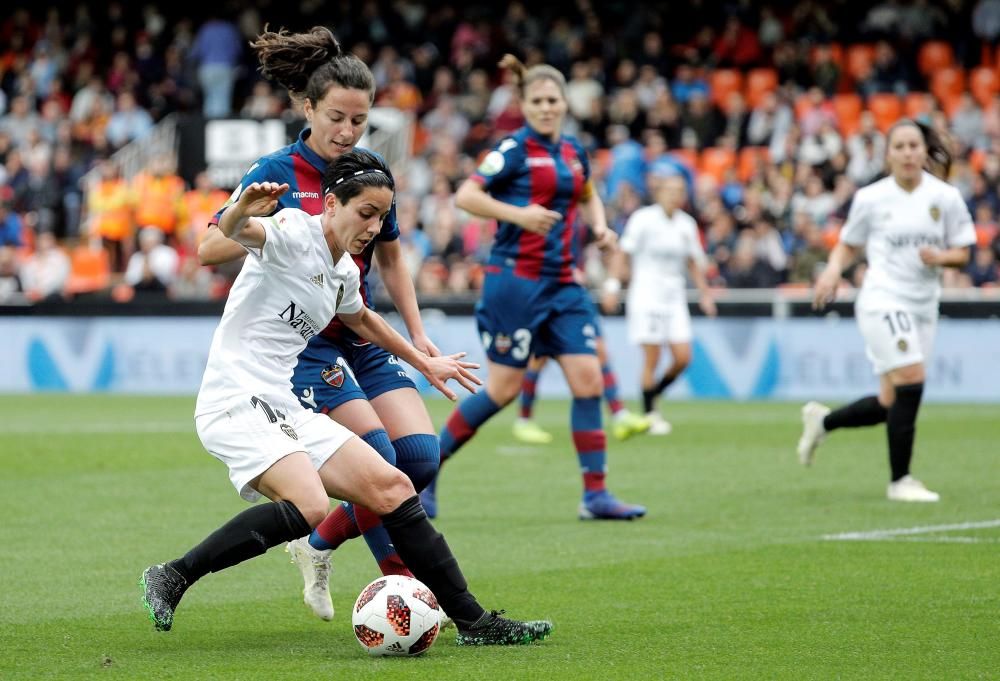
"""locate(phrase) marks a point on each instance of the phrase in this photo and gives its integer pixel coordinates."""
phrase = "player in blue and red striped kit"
(357, 384)
(534, 183)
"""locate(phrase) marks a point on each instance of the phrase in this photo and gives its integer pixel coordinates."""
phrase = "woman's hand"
(606, 239)
(440, 369)
(930, 256)
(707, 305)
(538, 219)
(260, 198)
(826, 288)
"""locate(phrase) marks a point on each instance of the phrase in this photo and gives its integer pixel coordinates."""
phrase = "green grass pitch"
(728, 577)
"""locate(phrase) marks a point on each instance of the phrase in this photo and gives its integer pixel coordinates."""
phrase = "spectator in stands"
(10, 279)
(158, 196)
(628, 162)
(687, 82)
(701, 121)
(109, 213)
(152, 268)
(45, 272)
(746, 270)
(808, 261)
(983, 269)
(129, 122)
(814, 199)
(582, 90)
(11, 226)
(968, 124)
(193, 282)
(21, 120)
(199, 205)
(262, 102)
(217, 52)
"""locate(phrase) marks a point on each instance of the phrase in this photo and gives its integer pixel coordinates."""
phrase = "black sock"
(901, 426)
(424, 550)
(648, 397)
(864, 412)
(665, 382)
(247, 535)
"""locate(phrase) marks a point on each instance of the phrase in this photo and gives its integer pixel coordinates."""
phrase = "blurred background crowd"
(775, 112)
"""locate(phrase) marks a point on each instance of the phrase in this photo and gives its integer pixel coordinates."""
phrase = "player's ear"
(307, 109)
(330, 203)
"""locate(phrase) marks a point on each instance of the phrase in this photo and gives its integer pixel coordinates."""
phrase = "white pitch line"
(92, 428)
(877, 535)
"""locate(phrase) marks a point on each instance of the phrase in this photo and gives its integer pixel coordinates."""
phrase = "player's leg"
(326, 380)
(357, 474)
(507, 316)
(262, 450)
(901, 425)
(570, 336)
(525, 428)
(624, 424)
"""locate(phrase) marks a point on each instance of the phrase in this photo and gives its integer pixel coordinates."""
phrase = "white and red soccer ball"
(396, 615)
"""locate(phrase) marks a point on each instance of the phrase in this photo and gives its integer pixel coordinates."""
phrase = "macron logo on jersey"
(300, 321)
(305, 195)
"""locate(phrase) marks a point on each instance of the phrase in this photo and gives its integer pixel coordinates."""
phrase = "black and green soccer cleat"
(162, 588)
(492, 629)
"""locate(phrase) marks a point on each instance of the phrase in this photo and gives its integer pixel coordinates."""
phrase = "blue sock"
(590, 442)
(418, 456)
(464, 421)
(528, 388)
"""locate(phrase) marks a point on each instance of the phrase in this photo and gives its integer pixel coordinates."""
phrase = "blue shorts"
(329, 374)
(520, 317)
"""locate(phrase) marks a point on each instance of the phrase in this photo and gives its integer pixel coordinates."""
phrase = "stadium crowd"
(775, 113)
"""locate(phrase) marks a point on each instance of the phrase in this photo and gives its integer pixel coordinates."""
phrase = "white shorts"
(896, 338)
(253, 433)
(658, 324)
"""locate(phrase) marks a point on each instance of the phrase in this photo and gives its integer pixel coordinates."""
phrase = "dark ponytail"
(308, 64)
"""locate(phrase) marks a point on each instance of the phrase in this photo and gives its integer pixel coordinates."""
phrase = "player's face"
(358, 221)
(544, 107)
(906, 154)
(338, 121)
(670, 192)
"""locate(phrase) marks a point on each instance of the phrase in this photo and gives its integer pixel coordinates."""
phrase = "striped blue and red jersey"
(302, 168)
(528, 168)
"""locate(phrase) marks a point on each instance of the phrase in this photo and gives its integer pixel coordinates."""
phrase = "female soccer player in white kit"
(911, 224)
(300, 274)
(660, 243)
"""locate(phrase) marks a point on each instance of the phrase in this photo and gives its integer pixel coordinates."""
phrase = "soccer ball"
(396, 615)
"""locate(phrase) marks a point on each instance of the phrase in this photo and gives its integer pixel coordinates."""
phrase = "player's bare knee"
(313, 507)
(389, 492)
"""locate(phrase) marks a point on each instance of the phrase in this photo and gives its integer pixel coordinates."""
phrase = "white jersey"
(660, 247)
(285, 294)
(894, 225)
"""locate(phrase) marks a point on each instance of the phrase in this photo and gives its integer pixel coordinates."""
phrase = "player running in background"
(300, 273)
(660, 244)
(911, 224)
(534, 183)
(624, 424)
(340, 374)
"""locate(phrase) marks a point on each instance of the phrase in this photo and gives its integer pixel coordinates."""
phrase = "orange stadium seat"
(848, 106)
(748, 160)
(948, 82)
(916, 104)
(886, 108)
(602, 160)
(722, 83)
(759, 83)
(977, 159)
(984, 83)
(859, 60)
(985, 235)
(934, 55)
(715, 161)
(688, 156)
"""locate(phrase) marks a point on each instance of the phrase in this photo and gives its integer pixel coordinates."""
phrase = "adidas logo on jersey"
(317, 279)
